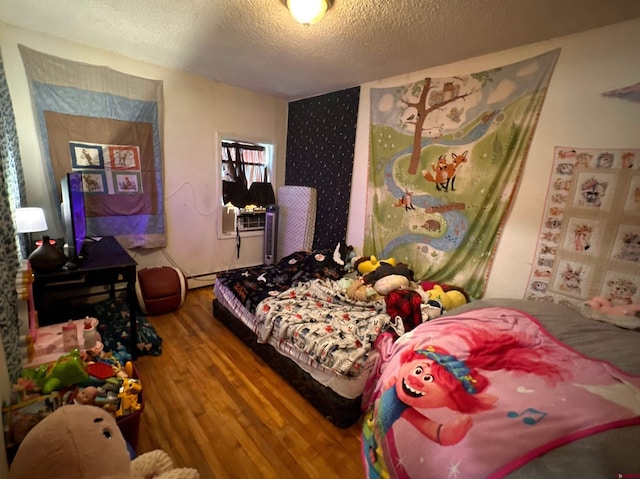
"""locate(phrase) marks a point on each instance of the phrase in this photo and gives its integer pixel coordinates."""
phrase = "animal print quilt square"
(589, 242)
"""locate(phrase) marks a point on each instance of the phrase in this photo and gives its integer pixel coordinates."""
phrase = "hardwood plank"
(213, 405)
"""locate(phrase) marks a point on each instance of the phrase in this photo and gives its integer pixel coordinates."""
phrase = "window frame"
(270, 155)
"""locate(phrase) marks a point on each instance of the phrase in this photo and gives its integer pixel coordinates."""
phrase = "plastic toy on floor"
(78, 442)
(129, 397)
(68, 369)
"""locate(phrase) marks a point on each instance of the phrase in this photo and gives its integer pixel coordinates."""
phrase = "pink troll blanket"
(482, 393)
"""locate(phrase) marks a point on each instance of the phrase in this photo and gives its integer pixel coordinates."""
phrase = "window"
(246, 175)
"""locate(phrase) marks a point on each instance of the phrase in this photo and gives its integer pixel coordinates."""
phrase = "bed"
(505, 388)
(296, 317)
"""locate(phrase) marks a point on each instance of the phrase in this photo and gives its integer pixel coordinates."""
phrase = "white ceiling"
(255, 44)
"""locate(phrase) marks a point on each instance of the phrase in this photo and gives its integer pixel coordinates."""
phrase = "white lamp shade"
(307, 12)
(30, 220)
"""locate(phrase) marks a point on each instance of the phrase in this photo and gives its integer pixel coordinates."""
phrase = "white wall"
(574, 114)
(195, 111)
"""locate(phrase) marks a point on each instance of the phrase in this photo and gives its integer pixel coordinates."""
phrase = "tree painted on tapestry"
(446, 155)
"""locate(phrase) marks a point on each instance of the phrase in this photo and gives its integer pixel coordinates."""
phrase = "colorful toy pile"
(107, 381)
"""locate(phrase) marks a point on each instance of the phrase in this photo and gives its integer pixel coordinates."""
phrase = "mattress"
(347, 387)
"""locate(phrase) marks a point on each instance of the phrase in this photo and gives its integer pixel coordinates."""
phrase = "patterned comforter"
(252, 285)
(320, 320)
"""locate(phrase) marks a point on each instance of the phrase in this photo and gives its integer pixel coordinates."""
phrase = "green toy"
(67, 370)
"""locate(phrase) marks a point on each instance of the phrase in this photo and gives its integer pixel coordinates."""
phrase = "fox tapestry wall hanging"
(446, 155)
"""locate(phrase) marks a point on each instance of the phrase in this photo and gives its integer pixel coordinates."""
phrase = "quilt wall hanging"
(445, 158)
(106, 124)
(589, 242)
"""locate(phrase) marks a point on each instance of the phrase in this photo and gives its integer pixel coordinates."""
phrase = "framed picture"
(583, 236)
(124, 157)
(632, 202)
(94, 182)
(572, 278)
(594, 190)
(86, 155)
(620, 288)
(626, 246)
(128, 182)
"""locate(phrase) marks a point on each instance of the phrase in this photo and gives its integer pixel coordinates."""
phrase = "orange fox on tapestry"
(589, 242)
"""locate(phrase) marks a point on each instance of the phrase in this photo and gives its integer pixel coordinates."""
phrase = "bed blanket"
(253, 284)
(319, 319)
(481, 393)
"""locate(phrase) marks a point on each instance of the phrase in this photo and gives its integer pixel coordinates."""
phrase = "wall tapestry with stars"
(321, 137)
(446, 155)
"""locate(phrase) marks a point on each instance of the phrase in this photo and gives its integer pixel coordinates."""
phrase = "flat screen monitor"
(73, 213)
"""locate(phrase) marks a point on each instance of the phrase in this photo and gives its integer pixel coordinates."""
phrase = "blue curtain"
(12, 195)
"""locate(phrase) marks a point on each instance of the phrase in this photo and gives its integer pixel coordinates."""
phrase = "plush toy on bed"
(78, 442)
(356, 289)
(604, 305)
(366, 265)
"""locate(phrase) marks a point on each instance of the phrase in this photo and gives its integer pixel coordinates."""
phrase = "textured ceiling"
(255, 44)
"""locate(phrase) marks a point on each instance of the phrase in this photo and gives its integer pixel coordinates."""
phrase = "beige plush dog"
(83, 442)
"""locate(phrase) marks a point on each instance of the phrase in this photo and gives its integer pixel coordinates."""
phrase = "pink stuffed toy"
(602, 304)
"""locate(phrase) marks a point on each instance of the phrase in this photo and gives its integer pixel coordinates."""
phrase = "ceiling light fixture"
(308, 12)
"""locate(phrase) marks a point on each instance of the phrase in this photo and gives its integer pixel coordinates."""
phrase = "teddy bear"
(604, 305)
(357, 290)
(80, 441)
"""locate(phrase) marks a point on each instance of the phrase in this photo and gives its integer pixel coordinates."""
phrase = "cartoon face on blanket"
(454, 386)
(430, 377)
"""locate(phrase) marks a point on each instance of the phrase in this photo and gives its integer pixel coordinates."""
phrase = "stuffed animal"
(367, 265)
(388, 269)
(78, 442)
(392, 282)
(67, 370)
(360, 291)
(604, 305)
(448, 299)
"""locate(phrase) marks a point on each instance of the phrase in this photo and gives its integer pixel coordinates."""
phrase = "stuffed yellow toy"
(448, 299)
(371, 264)
(81, 442)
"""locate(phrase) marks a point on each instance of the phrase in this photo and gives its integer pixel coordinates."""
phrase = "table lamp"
(46, 257)
(30, 220)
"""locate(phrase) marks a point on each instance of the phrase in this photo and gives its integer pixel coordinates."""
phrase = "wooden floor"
(215, 406)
